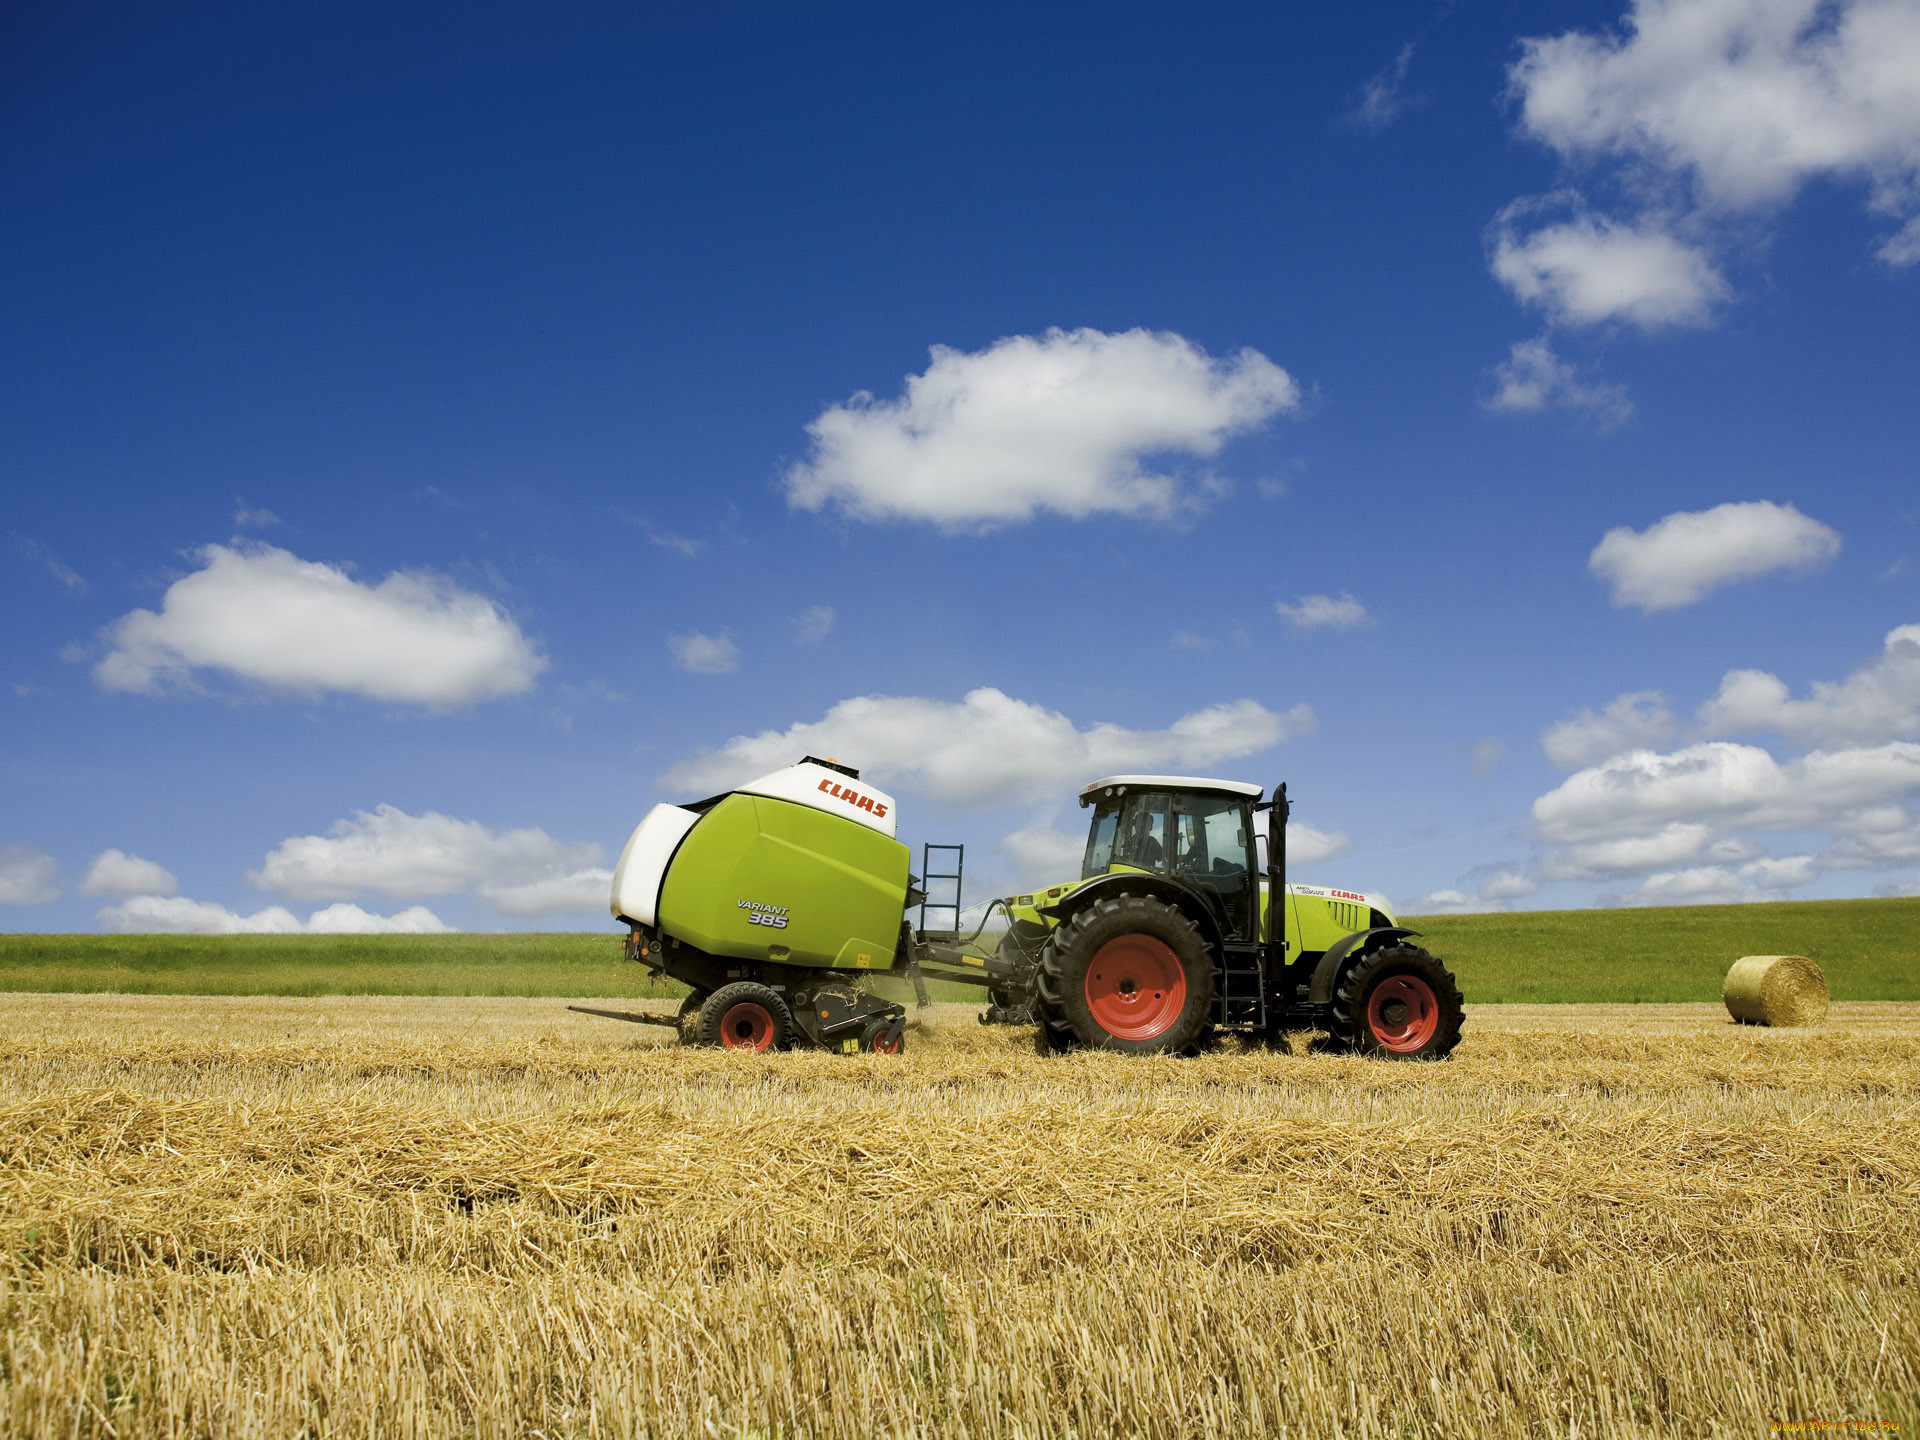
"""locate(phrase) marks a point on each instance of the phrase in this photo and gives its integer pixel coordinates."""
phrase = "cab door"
(1213, 853)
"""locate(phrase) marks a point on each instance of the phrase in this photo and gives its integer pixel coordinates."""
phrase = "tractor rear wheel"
(745, 1016)
(1130, 974)
(1399, 1003)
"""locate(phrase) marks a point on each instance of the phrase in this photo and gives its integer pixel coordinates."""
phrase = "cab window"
(1141, 840)
(1106, 819)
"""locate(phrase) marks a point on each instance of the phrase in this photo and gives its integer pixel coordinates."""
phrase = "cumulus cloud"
(1630, 722)
(1589, 269)
(1067, 421)
(705, 654)
(402, 856)
(1879, 701)
(263, 615)
(1706, 116)
(1533, 378)
(114, 872)
(1694, 820)
(1308, 845)
(176, 915)
(990, 747)
(1740, 101)
(1690, 554)
(813, 624)
(1322, 612)
(1042, 855)
(28, 875)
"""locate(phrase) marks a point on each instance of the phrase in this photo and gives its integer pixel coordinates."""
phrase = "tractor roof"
(1170, 782)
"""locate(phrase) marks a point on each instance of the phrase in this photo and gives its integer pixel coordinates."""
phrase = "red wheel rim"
(884, 1046)
(747, 1026)
(1403, 1013)
(1136, 987)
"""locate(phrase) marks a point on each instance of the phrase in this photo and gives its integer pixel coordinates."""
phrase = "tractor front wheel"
(745, 1016)
(1129, 973)
(1399, 1003)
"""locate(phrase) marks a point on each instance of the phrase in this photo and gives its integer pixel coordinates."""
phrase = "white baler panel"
(643, 864)
(828, 790)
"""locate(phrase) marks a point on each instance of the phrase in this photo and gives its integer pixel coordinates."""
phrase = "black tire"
(745, 1016)
(879, 1037)
(1399, 1003)
(687, 1021)
(1104, 956)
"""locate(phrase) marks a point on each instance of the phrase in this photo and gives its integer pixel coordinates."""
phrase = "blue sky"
(431, 436)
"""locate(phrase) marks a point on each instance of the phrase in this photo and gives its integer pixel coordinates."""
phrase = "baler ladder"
(928, 875)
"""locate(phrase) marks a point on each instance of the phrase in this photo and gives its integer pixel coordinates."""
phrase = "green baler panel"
(751, 863)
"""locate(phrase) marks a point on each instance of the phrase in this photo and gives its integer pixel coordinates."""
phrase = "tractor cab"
(1198, 833)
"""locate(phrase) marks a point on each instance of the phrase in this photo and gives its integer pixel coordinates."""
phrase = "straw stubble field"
(446, 1217)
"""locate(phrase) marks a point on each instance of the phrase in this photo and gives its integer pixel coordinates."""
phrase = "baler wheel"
(877, 1037)
(687, 1021)
(1399, 1003)
(745, 1016)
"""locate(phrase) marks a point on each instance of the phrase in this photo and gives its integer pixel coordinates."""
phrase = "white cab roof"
(1172, 782)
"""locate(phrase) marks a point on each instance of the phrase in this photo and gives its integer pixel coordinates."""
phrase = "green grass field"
(1870, 950)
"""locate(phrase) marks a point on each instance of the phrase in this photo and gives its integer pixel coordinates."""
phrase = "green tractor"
(1170, 937)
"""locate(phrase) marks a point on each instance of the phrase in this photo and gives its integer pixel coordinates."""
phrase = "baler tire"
(1138, 944)
(687, 1021)
(745, 1003)
(1429, 1015)
(873, 1037)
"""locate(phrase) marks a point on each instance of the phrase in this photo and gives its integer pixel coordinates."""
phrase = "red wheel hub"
(746, 1026)
(882, 1045)
(1402, 1013)
(1136, 987)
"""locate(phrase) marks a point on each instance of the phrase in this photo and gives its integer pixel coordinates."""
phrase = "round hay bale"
(1776, 990)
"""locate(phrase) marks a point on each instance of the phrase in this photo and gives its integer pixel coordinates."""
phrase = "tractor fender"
(1133, 883)
(1361, 942)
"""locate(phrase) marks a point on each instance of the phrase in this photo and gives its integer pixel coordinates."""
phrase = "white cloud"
(1589, 269)
(705, 654)
(51, 562)
(1689, 554)
(1700, 885)
(813, 624)
(1880, 701)
(1451, 902)
(1041, 855)
(114, 872)
(568, 893)
(1693, 819)
(990, 747)
(1066, 421)
(176, 915)
(1322, 612)
(1307, 845)
(1486, 756)
(253, 517)
(1533, 378)
(267, 616)
(1740, 102)
(1630, 722)
(1381, 100)
(402, 856)
(28, 875)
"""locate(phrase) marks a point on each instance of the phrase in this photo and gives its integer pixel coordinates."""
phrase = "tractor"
(1170, 938)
